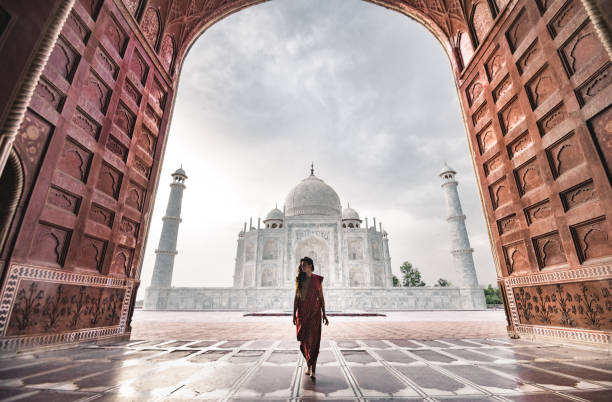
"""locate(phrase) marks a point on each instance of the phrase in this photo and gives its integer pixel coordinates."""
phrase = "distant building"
(345, 252)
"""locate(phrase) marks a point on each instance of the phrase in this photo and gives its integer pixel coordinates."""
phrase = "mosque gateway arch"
(88, 88)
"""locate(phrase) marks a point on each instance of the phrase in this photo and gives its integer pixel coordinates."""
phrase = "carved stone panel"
(541, 86)
(572, 305)
(474, 90)
(129, 228)
(564, 155)
(106, 62)
(52, 308)
(529, 57)
(494, 65)
(583, 47)
(519, 144)
(500, 193)
(82, 121)
(96, 93)
(595, 84)
(115, 35)
(135, 196)
(77, 26)
(569, 10)
(515, 255)
(166, 52)
(50, 94)
(503, 88)
(536, 212)
(518, 30)
(528, 177)
(91, 253)
(75, 160)
(146, 140)
(508, 224)
(549, 250)
(63, 199)
(493, 164)
(511, 115)
(592, 239)
(122, 261)
(64, 59)
(92, 7)
(132, 92)
(486, 139)
(109, 180)
(50, 244)
(601, 131)
(480, 115)
(150, 25)
(125, 119)
(117, 148)
(158, 95)
(552, 119)
(98, 213)
(139, 67)
(578, 195)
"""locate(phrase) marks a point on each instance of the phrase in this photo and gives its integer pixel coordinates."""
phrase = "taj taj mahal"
(352, 255)
(313, 224)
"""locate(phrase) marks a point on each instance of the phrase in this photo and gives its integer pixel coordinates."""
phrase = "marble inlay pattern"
(360, 370)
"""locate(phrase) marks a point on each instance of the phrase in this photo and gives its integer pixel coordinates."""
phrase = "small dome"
(350, 213)
(312, 196)
(180, 172)
(275, 214)
(447, 169)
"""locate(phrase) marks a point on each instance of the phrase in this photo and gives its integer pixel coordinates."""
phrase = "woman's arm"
(322, 301)
(295, 304)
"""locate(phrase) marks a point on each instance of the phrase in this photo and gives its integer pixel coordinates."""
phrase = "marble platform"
(336, 299)
(349, 370)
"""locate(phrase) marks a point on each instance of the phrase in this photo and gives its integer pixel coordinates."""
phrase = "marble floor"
(485, 369)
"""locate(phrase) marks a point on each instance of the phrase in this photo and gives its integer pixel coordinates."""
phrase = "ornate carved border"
(571, 275)
(18, 272)
(568, 275)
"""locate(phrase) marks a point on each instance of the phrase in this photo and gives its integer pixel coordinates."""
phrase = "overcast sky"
(364, 92)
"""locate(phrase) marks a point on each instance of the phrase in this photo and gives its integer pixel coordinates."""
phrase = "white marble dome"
(350, 213)
(312, 196)
(276, 214)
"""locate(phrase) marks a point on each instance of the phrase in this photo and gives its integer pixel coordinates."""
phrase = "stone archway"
(317, 249)
(533, 79)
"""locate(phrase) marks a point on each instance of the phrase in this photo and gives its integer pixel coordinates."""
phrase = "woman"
(307, 306)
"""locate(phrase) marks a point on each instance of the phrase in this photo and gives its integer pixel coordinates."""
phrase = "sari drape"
(308, 321)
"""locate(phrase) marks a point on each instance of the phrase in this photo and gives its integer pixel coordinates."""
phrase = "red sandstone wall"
(536, 93)
(537, 97)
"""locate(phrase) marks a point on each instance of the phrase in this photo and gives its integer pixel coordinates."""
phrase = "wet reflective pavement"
(407, 369)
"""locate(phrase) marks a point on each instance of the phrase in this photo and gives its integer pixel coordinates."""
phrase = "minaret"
(164, 259)
(460, 244)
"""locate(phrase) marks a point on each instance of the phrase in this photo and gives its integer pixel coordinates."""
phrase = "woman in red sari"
(307, 307)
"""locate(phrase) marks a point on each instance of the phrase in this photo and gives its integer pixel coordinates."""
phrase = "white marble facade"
(352, 256)
(345, 252)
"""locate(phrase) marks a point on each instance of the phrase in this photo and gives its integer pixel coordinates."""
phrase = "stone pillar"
(166, 250)
(460, 243)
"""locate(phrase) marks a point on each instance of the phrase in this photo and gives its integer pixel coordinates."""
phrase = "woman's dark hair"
(301, 275)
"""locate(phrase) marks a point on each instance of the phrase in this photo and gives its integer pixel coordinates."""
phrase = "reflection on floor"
(445, 370)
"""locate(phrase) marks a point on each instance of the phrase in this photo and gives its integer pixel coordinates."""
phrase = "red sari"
(308, 318)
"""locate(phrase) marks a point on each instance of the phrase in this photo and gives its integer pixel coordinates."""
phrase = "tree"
(443, 283)
(396, 281)
(411, 275)
(492, 295)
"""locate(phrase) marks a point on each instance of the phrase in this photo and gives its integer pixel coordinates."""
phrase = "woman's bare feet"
(307, 372)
